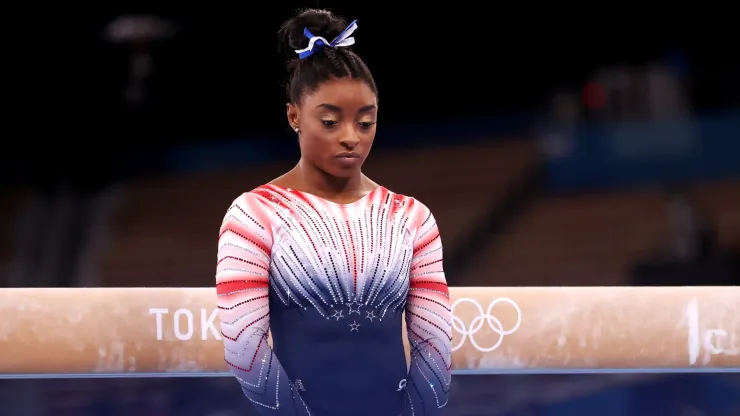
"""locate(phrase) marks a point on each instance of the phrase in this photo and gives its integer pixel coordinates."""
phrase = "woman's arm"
(242, 284)
(428, 322)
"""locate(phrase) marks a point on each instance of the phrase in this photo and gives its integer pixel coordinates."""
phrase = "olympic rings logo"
(493, 323)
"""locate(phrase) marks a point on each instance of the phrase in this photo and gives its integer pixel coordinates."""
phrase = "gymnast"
(329, 261)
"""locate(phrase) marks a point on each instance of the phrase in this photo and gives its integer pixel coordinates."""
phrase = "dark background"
(90, 180)
(220, 75)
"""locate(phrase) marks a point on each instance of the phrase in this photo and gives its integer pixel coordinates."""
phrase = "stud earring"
(297, 130)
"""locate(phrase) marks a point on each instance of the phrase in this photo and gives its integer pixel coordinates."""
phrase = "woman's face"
(337, 126)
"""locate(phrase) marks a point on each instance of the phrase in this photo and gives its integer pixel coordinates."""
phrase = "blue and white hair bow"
(317, 42)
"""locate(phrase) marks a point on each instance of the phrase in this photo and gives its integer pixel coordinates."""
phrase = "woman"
(328, 260)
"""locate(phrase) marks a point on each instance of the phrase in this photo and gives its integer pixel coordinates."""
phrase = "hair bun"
(319, 22)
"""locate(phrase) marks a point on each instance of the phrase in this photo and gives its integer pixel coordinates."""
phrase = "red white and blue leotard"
(331, 282)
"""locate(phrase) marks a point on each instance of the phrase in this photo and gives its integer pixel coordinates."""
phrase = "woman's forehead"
(346, 93)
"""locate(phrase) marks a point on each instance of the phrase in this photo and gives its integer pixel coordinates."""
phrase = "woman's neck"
(327, 186)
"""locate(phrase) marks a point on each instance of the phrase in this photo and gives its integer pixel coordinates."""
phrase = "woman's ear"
(292, 113)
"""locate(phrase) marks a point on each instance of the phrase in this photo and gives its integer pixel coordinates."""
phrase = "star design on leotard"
(337, 314)
(370, 316)
(353, 310)
(354, 326)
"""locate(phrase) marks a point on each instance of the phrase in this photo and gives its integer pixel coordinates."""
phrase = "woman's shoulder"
(255, 198)
(411, 204)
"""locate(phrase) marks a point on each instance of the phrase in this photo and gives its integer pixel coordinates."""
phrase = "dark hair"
(306, 75)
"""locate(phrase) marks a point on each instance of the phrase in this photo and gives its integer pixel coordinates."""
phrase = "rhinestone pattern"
(334, 279)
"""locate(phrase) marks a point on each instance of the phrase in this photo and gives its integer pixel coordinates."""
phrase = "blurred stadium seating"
(10, 214)
(572, 240)
(593, 239)
(164, 232)
(721, 201)
(460, 184)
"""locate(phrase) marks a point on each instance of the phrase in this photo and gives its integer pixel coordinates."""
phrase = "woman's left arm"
(428, 321)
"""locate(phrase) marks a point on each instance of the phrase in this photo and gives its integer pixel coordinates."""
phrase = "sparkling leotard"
(331, 283)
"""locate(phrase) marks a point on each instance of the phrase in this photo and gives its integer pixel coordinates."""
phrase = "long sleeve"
(242, 284)
(428, 323)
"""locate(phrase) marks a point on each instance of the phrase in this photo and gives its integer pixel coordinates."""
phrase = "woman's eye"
(366, 124)
(329, 123)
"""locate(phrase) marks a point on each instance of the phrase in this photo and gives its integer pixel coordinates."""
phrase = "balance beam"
(144, 332)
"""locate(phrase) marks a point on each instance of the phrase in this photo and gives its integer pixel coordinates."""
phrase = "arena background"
(563, 148)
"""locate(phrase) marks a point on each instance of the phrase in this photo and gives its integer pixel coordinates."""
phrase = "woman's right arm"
(243, 286)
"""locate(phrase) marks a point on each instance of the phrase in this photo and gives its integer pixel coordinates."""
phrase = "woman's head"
(332, 97)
